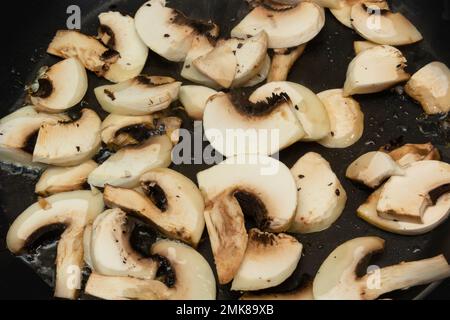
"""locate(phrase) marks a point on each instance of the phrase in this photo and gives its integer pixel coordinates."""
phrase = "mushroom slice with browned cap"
(310, 112)
(406, 197)
(59, 87)
(360, 46)
(91, 52)
(124, 168)
(373, 168)
(140, 96)
(122, 131)
(263, 186)
(321, 197)
(282, 62)
(194, 99)
(111, 253)
(346, 119)
(374, 70)
(71, 210)
(269, 260)
(410, 153)
(117, 32)
(431, 87)
(337, 277)
(167, 199)
(433, 216)
(69, 143)
(235, 126)
(169, 32)
(56, 180)
(286, 28)
(17, 133)
(186, 276)
(227, 234)
(376, 23)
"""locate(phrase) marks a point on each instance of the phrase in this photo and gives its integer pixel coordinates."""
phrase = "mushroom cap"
(95, 56)
(69, 143)
(61, 87)
(139, 96)
(373, 168)
(285, 28)
(310, 112)
(432, 217)
(431, 87)
(374, 70)
(236, 127)
(124, 168)
(56, 180)
(383, 28)
(269, 260)
(111, 253)
(118, 32)
(407, 197)
(346, 119)
(265, 179)
(321, 198)
(167, 31)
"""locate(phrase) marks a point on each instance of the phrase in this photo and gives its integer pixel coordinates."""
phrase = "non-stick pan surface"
(389, 116)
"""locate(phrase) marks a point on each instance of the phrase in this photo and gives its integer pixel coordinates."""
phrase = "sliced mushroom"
(410, 153)
(219, 65)
(201, 46)
(56, 180)
(346, 119)
(124, 168)
(321, 198)
(167, 199)
(406, 197)
(432, 217)
(263, 186)
(269, 260)
(189, 278)
(236, 126)
(91, 52)
(69, 143)
(360, 46)
(376, 23)
(169, 32)
(60, 87)
(331, 4)
(194, 99)
(71, 210)
(302, 293)
(171, 126)
(286, 28)
(373, 168)
(111, 253)
(431, 87)
(307, 107)
(227, 234)
(122, 131)
(140, 96)
(282, 62)
(343, 13)
(17, 132)
(375, 70)
(262, 74)
(337, 277)
(117, 32)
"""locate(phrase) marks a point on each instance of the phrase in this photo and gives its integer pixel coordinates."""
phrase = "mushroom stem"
(407, 274)
(282, 62)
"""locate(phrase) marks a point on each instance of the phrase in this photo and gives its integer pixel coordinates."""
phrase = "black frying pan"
(390, 116)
